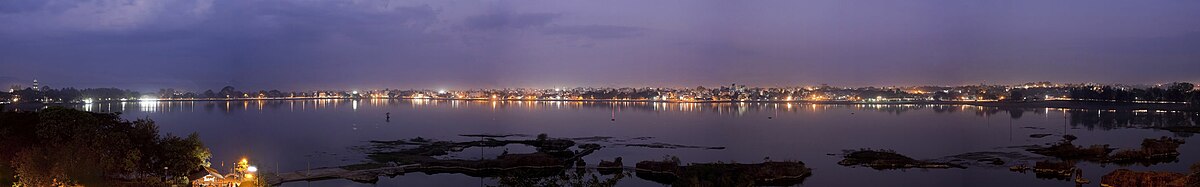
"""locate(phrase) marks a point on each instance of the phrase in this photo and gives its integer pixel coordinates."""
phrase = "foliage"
(77, 95)
(1179, 92)
(1016, 95)
(73, 94)
(59, 146)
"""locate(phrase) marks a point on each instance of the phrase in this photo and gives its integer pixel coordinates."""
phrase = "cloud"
(19, 6)
(509, 20)
(542, 23)
(595, 31)
(97, 15)
(334, 43)
(213, 43)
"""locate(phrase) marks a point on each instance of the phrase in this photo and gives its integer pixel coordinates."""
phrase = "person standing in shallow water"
(389, 116)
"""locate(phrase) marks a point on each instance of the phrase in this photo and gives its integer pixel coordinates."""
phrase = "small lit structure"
(243, 175)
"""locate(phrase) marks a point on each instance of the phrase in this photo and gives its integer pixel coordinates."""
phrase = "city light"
(736, 93)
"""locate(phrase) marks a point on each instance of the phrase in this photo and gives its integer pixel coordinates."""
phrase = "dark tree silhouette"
(67, 147)
(1016, 95)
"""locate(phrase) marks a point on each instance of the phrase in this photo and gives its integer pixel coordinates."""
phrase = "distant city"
(1177, 92)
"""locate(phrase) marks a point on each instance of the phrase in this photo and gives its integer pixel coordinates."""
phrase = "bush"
(46, 148)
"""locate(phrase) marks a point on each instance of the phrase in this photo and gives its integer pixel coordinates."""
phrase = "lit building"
(243, 175)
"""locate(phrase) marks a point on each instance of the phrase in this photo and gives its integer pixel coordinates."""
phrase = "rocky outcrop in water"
(1130, 178)
(1181, 129)
(557, 162)
(1067, 150)
(770, 173)
(609, 167)
(391, 158)
(887, 159)
(1153, 151)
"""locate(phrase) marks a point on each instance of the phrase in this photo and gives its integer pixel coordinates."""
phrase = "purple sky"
(349, 44)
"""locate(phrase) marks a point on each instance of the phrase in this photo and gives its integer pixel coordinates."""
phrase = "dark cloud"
(595, 31)
(509, 20)
(240, 41)
(18, 6)
(318, 44)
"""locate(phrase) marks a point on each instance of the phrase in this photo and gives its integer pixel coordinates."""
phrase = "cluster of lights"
(249, 170)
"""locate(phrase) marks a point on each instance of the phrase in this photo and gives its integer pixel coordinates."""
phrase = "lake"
(295, 135)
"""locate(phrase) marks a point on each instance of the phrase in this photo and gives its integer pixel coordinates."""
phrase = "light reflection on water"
(735, 109)
(292, 135)
(318, 104)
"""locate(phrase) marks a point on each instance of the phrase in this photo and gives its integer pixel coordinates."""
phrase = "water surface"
(293, 135)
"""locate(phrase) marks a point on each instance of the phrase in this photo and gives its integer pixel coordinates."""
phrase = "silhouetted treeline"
(620, 94)
(46, 94)
(1177, 92)
(67, 147)
(73, 94)
(231, 92)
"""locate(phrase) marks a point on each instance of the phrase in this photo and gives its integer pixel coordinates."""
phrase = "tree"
(65, 147)
(209, 94)
(1178, 91)
(1181, 87)
(1016, 95)
(182, 155)
(1195, 101)
(229, 91)
(943, 96)
(166, 93)
(274, 93)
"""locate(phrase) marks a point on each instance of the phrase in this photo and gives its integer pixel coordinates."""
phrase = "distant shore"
(1067, 104)
(1090, 105)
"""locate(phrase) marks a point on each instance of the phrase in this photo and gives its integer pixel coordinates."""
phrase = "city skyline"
(36, 85)
(1175, 92)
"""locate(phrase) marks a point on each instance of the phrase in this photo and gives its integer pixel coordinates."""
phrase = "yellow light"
(249, 176)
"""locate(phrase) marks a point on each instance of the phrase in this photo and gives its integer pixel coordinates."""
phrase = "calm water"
(295, 135)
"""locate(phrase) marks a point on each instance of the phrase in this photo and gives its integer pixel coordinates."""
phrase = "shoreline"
(1067, 104)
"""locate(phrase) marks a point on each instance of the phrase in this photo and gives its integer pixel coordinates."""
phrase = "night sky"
(451, 44)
